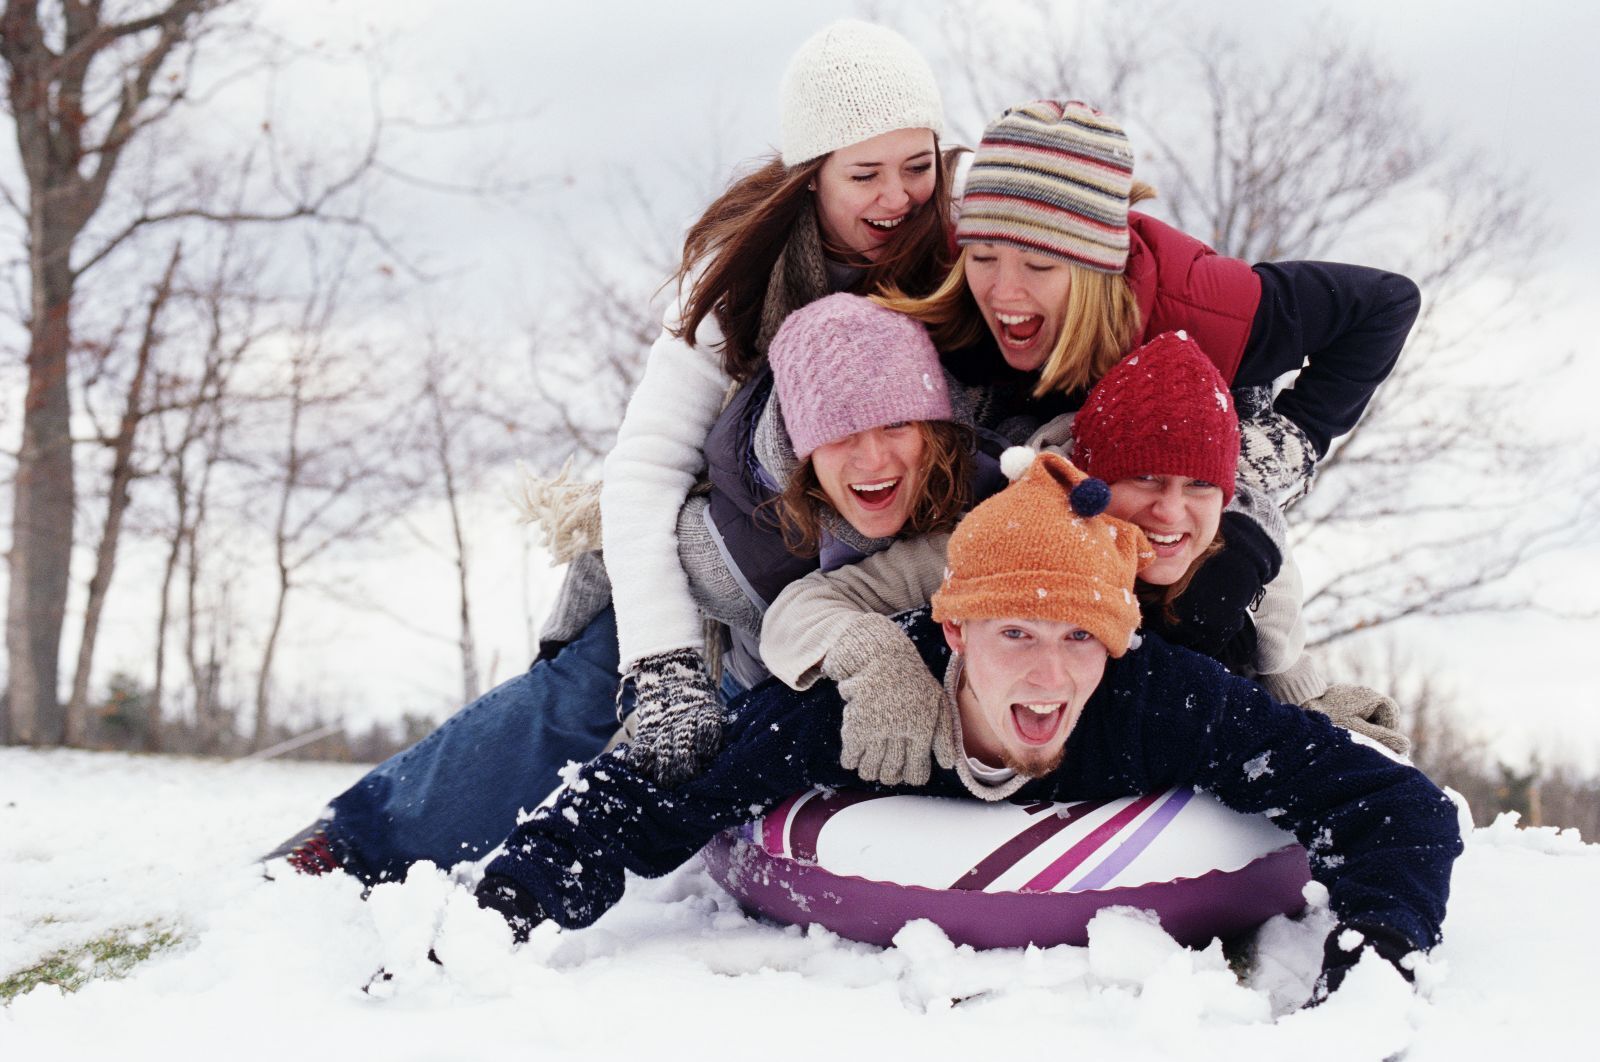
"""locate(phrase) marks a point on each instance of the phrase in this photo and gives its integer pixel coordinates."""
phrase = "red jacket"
(1181, 283)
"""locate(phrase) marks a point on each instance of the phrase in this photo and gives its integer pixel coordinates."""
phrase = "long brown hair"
(729, 253)
(943, 491)
(1100, 322)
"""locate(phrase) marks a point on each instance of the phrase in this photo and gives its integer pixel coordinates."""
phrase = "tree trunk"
(41, 525)
(470, 686)
(264, 678)
(46, 97)
(152, 733)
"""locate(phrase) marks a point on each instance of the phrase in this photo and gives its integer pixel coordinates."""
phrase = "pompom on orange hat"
(1044, 549)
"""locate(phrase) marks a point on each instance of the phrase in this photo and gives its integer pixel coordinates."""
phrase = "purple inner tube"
(1193, 910)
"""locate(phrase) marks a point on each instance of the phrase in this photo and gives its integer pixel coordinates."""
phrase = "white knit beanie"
(851, 82)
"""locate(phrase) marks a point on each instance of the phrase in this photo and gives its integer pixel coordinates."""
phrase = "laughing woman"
(857, 199)
(846, 442)
(1058, 279)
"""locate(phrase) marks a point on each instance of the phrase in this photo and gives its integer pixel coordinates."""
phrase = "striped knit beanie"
(1163, 410)
(1052, 178)
(1043, 549)
(851, 82)
(845, 364)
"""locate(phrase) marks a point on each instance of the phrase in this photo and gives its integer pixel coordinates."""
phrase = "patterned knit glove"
(892, 703)
(680, 717)
(1275, 454)
(1363, 711)
(1343, 948)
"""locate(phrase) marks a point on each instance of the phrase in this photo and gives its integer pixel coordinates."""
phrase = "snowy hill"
(156, 854)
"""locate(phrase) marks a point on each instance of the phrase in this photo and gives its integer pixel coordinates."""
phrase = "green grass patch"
(108, 957)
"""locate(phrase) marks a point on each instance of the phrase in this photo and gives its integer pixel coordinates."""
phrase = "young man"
(1047, 696)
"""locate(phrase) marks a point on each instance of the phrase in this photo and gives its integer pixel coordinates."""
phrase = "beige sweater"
(810, 615)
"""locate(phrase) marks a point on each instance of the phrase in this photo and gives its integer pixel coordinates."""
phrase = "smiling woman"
(868, 413)
(857, 198)
(867, 190)
(1061, 278)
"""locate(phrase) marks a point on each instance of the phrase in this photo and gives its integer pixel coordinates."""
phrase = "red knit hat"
(1163, 410)
(1044, 549)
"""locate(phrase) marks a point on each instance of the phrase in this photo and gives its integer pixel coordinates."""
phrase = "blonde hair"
(1099, 324)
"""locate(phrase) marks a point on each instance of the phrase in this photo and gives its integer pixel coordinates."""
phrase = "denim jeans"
(455, 794)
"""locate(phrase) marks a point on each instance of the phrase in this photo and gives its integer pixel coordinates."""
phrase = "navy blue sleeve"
(1341, 326)
(570, 856)
(1380, 835)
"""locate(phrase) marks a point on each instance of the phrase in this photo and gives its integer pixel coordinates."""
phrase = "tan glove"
(893, 705)
(1363, 711)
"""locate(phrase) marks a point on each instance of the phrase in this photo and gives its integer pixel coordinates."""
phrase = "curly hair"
(943, 491)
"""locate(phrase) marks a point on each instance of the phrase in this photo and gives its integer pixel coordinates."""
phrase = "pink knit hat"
(844, 364)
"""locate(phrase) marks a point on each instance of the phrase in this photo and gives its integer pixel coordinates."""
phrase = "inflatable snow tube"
(1007, 875)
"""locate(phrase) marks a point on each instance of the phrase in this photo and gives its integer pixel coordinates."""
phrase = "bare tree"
(587, 350)
(191, 441)
(463, 427)
(99, 95)
(79, 90)
(123, 471)
(329, 476)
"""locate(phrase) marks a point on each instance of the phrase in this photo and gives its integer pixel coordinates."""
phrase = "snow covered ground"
(93, 845)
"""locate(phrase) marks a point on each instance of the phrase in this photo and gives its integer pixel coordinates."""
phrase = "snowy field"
(149, 850)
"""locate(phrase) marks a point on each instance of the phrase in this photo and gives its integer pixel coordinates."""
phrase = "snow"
(93, 843)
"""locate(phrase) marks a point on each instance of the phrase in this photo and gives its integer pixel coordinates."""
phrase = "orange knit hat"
(1042, 549)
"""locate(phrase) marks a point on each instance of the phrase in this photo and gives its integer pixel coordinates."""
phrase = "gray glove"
(679, 717)
(1363, 711)
(1275, 454)
(893, 706)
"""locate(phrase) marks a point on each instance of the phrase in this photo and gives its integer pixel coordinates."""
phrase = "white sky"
(666, 88)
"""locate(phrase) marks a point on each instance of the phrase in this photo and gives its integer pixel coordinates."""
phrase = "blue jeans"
(455, 794)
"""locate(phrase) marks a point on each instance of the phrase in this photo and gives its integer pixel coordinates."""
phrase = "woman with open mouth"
(848, 440)
(1057, 279)
(858, 197)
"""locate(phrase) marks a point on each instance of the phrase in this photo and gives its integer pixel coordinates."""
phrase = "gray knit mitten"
(1363, 711)
(892, 703)
(679, 716)
(1275, 454)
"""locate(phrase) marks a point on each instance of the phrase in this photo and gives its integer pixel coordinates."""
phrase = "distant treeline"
(1544, 796)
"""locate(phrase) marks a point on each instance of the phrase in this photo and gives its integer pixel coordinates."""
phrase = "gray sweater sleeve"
(811, 613)
(711, 582)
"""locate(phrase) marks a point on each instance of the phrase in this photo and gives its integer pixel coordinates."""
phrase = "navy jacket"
(1381, 837)
(1340, 327)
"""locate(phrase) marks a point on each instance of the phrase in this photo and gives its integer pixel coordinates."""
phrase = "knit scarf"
(799, 276)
